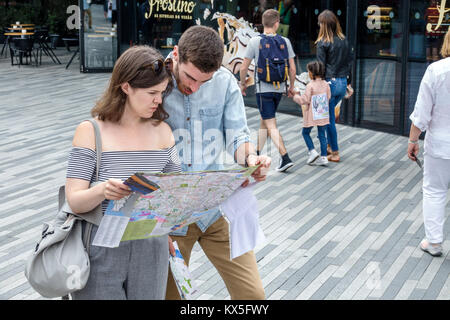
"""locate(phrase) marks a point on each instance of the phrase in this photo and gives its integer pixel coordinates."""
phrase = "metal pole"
(404, 62)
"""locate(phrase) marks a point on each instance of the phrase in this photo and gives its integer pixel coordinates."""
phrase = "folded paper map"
(164, 202)
(181, 275)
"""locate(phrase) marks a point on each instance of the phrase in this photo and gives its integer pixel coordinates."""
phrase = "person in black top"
(335, 53)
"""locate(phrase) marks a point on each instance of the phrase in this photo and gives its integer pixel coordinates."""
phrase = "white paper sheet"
(110, 231)
(241, 211)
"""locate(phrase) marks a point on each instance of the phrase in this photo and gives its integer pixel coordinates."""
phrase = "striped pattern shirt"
(120, 164)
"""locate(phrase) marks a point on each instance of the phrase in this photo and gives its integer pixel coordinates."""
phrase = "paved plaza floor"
(347, 231)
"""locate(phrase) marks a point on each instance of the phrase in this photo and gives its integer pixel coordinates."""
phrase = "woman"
(134, 138)
(334, 52)
(432, 114)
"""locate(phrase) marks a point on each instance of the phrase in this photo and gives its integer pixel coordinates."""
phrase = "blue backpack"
(273, 60)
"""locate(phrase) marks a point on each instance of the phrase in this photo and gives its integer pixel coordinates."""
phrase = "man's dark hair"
(202, 47)
(317, 69)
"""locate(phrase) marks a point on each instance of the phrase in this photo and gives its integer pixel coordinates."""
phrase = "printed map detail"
(175, 200)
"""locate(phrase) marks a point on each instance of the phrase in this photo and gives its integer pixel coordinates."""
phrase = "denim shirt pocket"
(211, 113)
(213, 135)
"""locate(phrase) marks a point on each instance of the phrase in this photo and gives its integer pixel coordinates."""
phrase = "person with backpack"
(274, 59)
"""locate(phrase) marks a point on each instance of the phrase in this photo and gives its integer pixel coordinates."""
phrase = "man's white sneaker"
(313, 155)
(322, 161)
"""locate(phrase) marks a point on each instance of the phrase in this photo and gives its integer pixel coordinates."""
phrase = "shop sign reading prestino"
(170, 9)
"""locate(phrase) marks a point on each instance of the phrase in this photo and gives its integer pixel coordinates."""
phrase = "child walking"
(315, 112)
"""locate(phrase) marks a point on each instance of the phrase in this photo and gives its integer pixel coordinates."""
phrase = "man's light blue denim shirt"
(208, 125)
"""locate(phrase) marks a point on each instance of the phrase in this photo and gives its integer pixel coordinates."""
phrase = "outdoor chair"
(23, 48)
(5, 43)
(41, 37)
(68, 42)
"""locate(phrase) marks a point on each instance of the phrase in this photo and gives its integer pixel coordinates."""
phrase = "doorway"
(379, 64)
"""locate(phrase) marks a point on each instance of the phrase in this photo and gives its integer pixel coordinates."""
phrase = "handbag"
(59, 264)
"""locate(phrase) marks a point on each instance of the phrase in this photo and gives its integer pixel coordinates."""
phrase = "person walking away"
(274, 59)
(316, 101)
(335, 53)
(207, 115)
(432, 114)
(134, 138)
(88, 11)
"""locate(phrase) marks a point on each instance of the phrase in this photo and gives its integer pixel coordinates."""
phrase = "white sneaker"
(313, 155)
(322, 161)
(435, 251)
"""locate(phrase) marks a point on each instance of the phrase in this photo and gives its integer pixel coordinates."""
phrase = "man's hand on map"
(260, 174)
(171, 247)
(115, 189)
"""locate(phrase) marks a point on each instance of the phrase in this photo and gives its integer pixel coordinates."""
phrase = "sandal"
(334, 157)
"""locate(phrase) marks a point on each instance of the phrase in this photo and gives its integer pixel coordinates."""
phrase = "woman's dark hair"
(317, 69)
(141, 67)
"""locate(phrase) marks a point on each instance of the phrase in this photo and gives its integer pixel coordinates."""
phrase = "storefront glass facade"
(393, 40)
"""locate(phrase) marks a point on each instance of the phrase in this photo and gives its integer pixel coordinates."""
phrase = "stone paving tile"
(333, 232)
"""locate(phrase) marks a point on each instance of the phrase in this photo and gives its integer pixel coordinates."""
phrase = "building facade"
(394, 41)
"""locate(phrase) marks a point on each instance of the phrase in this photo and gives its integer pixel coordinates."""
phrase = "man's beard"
(176, 74)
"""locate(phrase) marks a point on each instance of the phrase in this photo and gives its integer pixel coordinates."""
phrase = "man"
(268, 95)
(207, 116)
(285, 8)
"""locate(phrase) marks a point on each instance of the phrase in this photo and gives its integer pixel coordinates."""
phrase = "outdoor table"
(23, 24)
(26, 28)
(19, 34)
(14, 34)
(99, 35)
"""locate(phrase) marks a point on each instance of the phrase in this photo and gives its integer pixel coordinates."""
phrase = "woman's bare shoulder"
(165, 134)
(84, 136)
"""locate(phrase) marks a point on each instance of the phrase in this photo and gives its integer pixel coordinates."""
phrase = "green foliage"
(53, 23)
(51, 13)
(56, 15)
(25, 13)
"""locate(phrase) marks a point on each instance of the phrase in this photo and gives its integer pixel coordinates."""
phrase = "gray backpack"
(59, 264)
